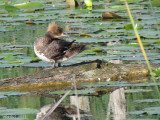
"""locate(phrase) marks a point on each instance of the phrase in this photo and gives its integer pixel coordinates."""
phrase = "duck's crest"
(52, 27)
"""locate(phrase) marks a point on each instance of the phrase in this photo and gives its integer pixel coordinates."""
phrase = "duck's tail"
(74, 49)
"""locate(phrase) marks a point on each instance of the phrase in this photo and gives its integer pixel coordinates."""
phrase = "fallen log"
(85, 72)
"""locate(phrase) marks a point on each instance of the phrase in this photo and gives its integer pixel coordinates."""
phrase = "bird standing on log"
(54, 50)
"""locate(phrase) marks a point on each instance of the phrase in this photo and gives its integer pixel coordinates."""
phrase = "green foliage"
(88, 3)
(157, 72)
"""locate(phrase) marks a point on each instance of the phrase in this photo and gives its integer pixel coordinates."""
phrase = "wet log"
(62, 77)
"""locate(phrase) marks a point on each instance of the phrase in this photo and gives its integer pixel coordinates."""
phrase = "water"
(106, 39)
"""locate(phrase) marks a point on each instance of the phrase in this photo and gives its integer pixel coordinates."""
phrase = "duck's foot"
(59, 64)
(54, 65)
(48, 68)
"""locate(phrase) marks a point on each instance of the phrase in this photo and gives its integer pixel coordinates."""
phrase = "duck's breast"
(40, 46)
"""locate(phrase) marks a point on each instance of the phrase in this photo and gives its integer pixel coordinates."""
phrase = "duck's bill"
(63, 35)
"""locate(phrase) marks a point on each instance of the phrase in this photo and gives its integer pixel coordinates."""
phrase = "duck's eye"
(60, 30)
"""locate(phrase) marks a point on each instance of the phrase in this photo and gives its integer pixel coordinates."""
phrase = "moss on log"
(86, 72)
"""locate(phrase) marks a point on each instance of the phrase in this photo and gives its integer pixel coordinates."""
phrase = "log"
(62, 77)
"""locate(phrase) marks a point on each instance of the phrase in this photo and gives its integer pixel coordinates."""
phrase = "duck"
(52, 49)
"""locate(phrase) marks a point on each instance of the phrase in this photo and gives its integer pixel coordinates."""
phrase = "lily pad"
(147, 111)
(137, 90)
(129, 27)
(18, 111)
(79, 92)
(6, 94)
(147, 101)
(9, 57)
(12, 9)
(29, 5)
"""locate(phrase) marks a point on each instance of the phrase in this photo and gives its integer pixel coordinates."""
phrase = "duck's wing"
(57, 48)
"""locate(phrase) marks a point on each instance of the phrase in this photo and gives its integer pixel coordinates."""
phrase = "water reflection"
(17, 71)
(121, 104)
(62, 112)
(117, 105)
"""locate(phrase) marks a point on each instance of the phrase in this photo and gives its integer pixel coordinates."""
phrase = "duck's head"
(54, 31)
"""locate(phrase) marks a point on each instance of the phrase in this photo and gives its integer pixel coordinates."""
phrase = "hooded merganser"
(54, 50)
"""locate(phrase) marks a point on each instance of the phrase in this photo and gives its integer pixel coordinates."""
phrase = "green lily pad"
(26, 5)
(18, 111)
(6, 94)
(9, 57)
(97, 49)
(147, 101)
(79, 92)
(34, 59)
(16, 62)
(137, 90)
(12, 9)
(148, 111)
(129, 27)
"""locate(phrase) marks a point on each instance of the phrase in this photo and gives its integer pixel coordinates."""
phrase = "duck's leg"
(59, 64)
(54, 65)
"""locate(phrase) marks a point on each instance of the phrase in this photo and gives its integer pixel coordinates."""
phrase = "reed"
(142, 48)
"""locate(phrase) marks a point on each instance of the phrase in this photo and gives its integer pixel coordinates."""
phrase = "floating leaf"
(16, 62)
(109, 15)
(26, 5)
(12, 9)
(129, 27)
(148, 111)
(97, 49)
(6, 94)
(85, 35)
(80, 92)
(137, 90)
(147, 101)
(9, 57)
(18, 111)
(34, 59)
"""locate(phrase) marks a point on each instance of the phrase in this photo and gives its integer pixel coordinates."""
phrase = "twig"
(76, 95)
(56, 105)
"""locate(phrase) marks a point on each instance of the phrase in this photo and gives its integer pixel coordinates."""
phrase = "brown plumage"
(52, 49)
